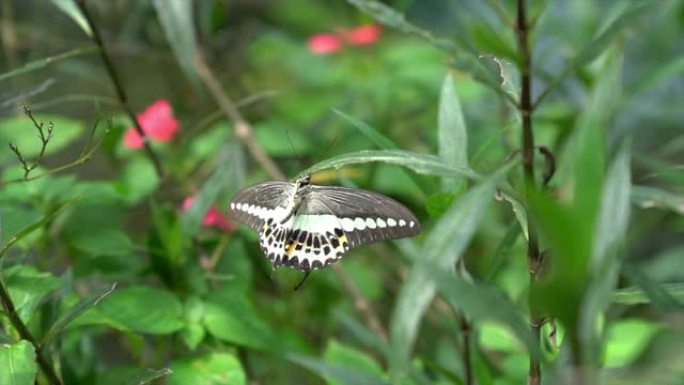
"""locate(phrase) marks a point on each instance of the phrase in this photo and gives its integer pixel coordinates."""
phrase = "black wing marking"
(365, 216)
(253, 204)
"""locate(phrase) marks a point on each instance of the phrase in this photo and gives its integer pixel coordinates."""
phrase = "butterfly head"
(303, 180)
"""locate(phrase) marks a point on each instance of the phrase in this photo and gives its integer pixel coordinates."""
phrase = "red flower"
(363, 35)
(157, 122)
(325, 43)
(212, 218)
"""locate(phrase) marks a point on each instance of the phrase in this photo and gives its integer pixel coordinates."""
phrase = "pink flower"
(157, 122)
(325, 43)
(212, 218)
(363, 35)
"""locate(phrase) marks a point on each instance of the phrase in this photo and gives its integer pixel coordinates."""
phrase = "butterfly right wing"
(256, 204)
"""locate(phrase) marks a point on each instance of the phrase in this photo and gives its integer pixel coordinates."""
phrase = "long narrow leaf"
(443, 247)
(75, 311)
(371, 133)
(177, 21)
(420, 163)
(452, 134)
(340, 373)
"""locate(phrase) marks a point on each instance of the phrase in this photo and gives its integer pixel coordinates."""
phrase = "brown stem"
(245, 133)
(526, 109)
(25, 334)
(120, 93)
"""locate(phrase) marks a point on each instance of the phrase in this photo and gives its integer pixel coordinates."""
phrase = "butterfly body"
(307, 226)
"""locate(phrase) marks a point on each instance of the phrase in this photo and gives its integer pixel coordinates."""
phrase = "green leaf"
(176, 18)
(658, 296)
(613, 219)
(420, 163)
(143, 309)
(18, 364)
(634, 295)
(341, 374)
(443, 248)
(338, 353)
(364, 334)
(280, 139)
(20, 131)
(211, 369)
(138, 180)
(452, 133)
(234, 320)
(647, 197)
(28, 287)
(70, 8)
(626, 339)
(103, 242)
(77, 310)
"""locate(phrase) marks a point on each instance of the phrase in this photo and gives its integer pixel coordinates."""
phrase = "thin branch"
(528, 150)
(245, 133)
(25, 334)
(120, 93)
(467, 351)
(243, 130)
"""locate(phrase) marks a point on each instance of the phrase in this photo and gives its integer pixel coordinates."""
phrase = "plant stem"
(526, 110)
(120, 93)
(25, 334)
(467, 353)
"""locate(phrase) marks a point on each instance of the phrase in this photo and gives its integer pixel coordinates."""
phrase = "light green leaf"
(452, 133)
(176, 18)
(626, 339)
(18, 364)
(443, 248)
(420, 163)
(634, 295)
(211, 369)
(28, 287)
(70, 8)
(77, 310)
(342, 374)
(138, 180)
(103, 242)
(143, 309)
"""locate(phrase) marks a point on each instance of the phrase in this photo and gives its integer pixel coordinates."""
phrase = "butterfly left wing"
(255, 204)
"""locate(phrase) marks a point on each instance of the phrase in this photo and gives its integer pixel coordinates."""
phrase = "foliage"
(119, 264)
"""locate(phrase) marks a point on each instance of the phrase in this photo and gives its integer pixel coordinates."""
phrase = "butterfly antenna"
(306, 275)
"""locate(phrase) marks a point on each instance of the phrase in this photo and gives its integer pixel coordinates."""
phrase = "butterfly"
(308, 227)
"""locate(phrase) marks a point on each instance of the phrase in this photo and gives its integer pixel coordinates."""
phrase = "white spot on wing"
(347, 224)
(370, 223)
(402, 223)
(359, 223)
(391, 222)
(232, 206)
(411, 224)
(238, 206)
(381, 224)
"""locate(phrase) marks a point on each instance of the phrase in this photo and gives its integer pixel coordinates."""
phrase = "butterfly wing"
(364, 216)
(255, 204)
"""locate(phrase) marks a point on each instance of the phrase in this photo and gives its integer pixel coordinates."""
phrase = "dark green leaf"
(340, 354)
(658, 296)
(146, 376)
(647, 197)
(634, 295)
(371, 133)
(17, 364)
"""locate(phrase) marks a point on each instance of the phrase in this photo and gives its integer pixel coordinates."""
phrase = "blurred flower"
(157, 122)
(363, 35)
(325, 43)
(213, 217)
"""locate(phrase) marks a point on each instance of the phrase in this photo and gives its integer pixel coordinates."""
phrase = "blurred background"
(315, 79)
